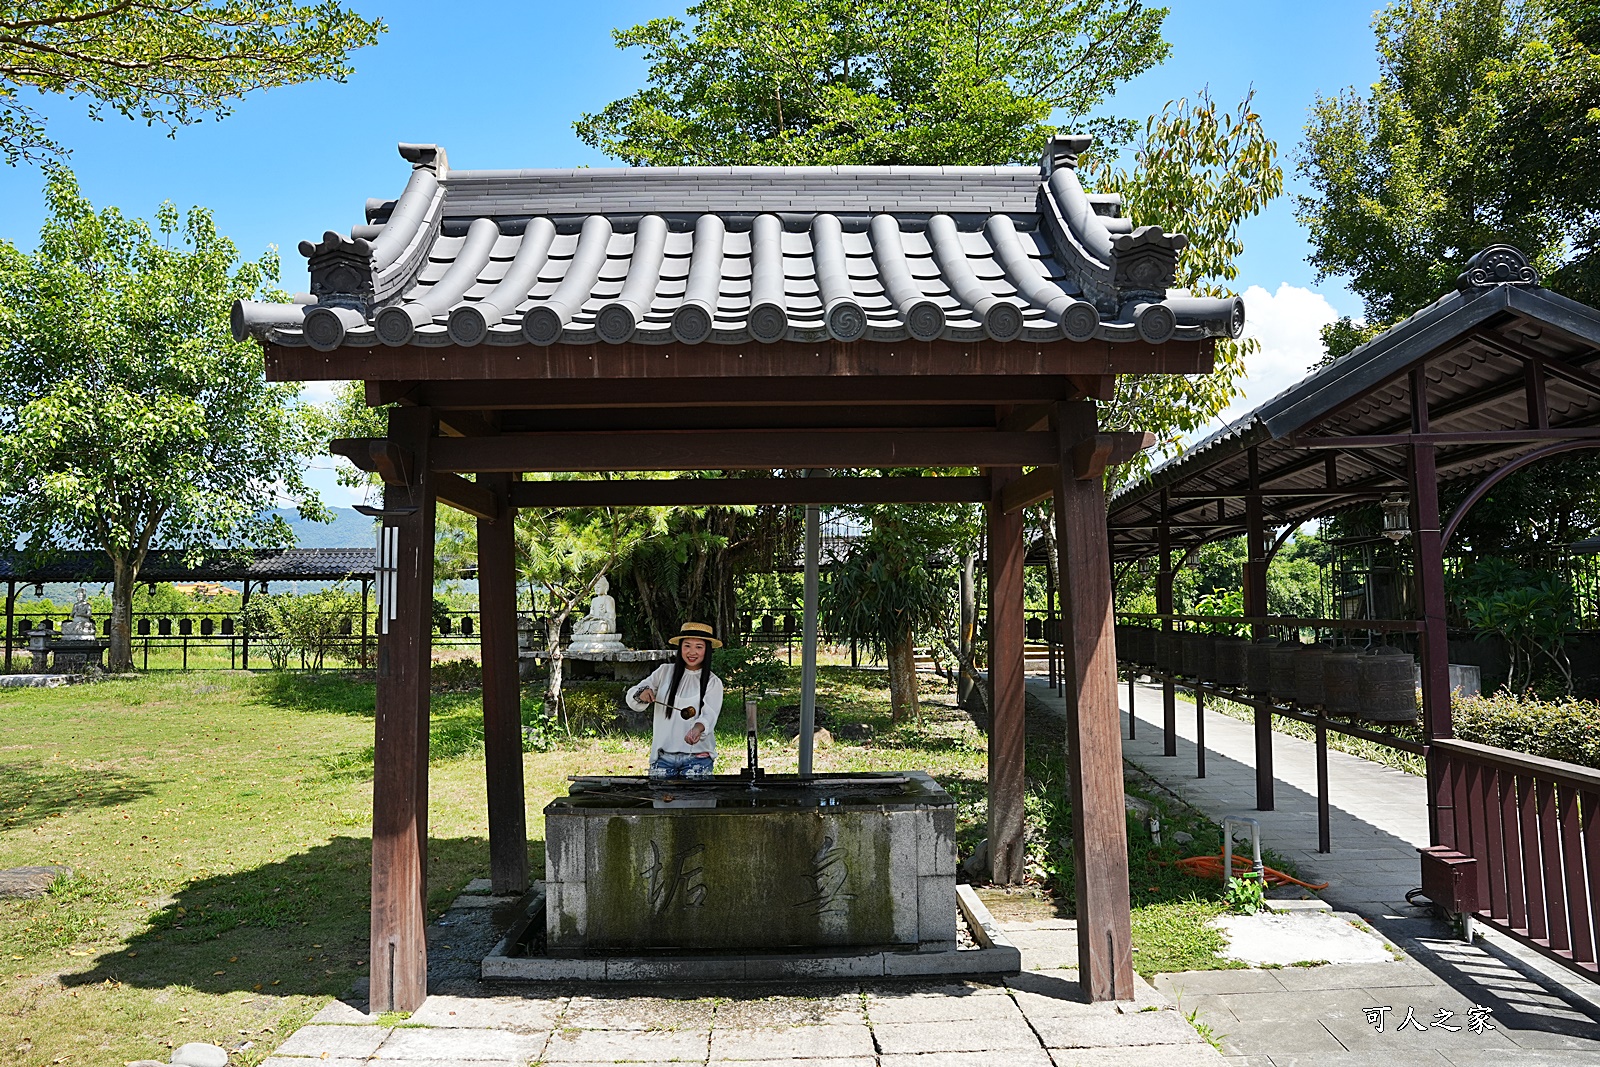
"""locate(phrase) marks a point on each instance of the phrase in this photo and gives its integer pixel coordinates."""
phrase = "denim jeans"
(681, 765)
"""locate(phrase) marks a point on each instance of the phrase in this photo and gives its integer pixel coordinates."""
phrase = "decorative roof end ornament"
(1497, 265)
(1146, 260)
(1063, 150)
(341, 271)
(425, 157)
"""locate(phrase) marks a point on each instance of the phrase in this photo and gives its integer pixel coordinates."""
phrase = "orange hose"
(1209, 866)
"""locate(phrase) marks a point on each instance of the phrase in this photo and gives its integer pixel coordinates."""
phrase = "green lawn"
(218, 827)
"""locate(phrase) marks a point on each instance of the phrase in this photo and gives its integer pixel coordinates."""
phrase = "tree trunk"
(123, 576)
(903, 680)
(554, 708)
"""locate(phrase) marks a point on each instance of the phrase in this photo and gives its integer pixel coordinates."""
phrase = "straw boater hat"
(701, 630)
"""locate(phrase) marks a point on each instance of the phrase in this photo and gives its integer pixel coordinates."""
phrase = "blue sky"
(500, 83)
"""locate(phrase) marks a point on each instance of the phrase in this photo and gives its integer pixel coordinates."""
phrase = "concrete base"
(995, 954)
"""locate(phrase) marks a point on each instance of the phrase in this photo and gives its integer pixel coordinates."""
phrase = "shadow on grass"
(32, 792)
(333, 692)
(297, 926)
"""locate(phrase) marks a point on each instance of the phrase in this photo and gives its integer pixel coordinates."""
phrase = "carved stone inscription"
(826, 880)
(675, 876)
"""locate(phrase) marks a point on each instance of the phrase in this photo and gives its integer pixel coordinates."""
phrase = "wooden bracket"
(1102, 387)
(1092, 455)
(380, 456)
(1090, 458)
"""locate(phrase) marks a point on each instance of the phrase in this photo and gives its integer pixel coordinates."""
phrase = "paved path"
(1037, 1019)
(1317, 1015)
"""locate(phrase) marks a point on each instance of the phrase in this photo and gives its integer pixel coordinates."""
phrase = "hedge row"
(1566, 730)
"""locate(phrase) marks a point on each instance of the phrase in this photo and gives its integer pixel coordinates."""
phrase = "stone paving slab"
(793, 1042)
(460, 1044)
(285, 1061)
(517, 1014)
(955, 1035)
(1195, 1054)
(1102, 1029)
(637, 1013)
(1413, 1057)
(608, 1046)
(352, 1042)
(917, 1009)
(1405, 972)
(1035, 1057)
(790, 1011)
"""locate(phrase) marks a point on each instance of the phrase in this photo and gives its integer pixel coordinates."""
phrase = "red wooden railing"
(1534, 827)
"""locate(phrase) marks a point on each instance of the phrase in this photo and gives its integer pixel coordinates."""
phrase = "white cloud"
(1289, 325)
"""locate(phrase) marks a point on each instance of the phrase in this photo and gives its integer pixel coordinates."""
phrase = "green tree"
(563, 552)
(929, 82)
(129, 417)
(1480, 129)
(168, 62)
(1199, 171)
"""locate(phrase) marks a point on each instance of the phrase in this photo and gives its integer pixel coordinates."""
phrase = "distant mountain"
(349, 529)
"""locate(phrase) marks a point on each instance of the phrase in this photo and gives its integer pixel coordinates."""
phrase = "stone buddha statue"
(81, 625)
(597, 630)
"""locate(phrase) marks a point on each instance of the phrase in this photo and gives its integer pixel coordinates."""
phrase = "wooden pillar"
(1255, 605)
(1007, 730)
(502, 693)
(399, 971)
(1094, 729)
(1164, 578)
(1434, 647)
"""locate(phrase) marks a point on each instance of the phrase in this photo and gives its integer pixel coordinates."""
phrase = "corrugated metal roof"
(1477, 342)
(732, 255)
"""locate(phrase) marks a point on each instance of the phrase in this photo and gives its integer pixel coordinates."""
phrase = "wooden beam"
(1094, 725)
(1007, 711)
(727, 492)
(382, 393)
(1026, 417)
(1551, 365)
(794, 417)
(783, 359)
(466, 496)
(807, 389)
(739, 450)
(502, 693)
(467, 424)
(1101, 387)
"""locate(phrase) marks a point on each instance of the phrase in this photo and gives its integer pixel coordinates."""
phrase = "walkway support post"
(1169, 689)
(11, 615)
(399, 965)
(1007, 699)
(1428, 546)
(1255, 606)
(1094, 729)
(502, 692)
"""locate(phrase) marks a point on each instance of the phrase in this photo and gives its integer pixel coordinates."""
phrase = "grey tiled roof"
(735, 254)
(274, 564)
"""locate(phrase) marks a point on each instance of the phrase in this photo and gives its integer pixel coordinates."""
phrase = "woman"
(685, 699)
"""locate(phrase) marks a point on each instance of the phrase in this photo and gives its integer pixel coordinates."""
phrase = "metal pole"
(244, 627)
(1323, 820)
(1199, 733)
(11, 612)
(808, 653)
(366, 587)
(1131, 718)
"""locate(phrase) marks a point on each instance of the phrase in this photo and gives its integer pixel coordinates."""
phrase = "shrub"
(456, 676)
(592, 707)
(1565, 730)
(748, 669)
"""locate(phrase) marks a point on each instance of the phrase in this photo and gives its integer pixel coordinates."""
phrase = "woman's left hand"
(696, 732)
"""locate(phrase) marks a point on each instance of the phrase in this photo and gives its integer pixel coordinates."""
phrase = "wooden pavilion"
(1497, 374)
(723, 319)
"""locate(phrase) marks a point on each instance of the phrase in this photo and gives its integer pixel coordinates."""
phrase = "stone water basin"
(836, 861)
